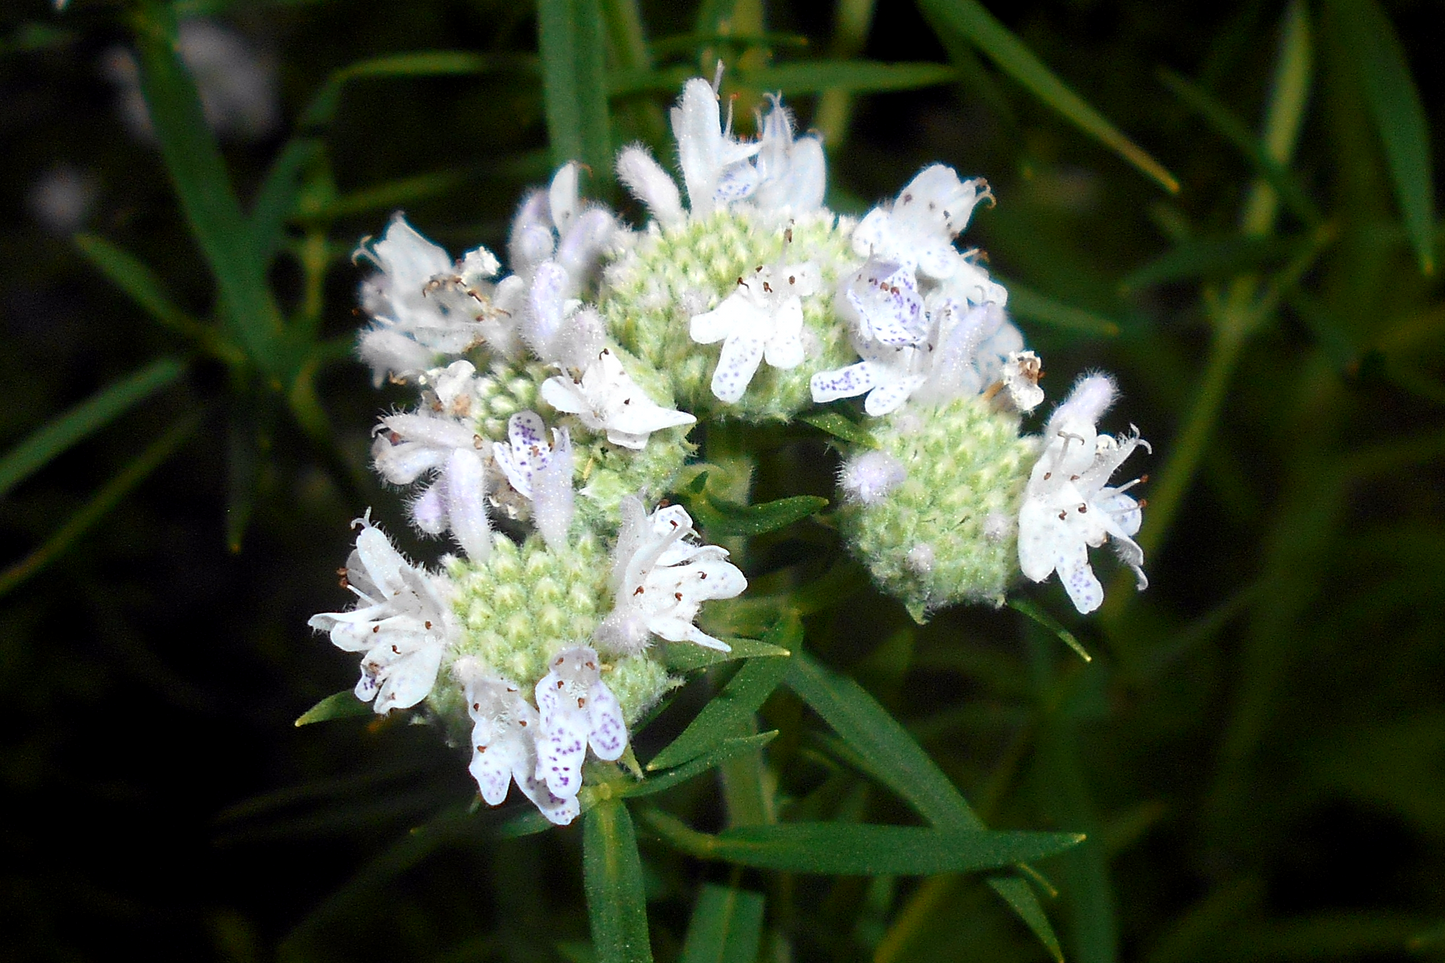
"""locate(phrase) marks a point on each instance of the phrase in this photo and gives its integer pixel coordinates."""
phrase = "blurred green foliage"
(1231, 207)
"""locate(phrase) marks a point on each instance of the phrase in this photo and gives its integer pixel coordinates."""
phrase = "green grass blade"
(572, 39)
(729, 518)
(1232, 129)
(1020, 896)
(687, 657)
(83, 420)
(1367, 34)
(140, 283)
(612, 876)
(854, 76)
(103, 502)
(726, 927)
(970, 20)
(276, 201)
(900, 763)
(729, 749)
(1033, 306)
(854, 849)
(1212, 257)
(730, 712)
(203, 186)
(321, 111)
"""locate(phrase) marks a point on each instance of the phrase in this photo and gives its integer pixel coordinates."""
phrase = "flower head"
(662, 573)
(402, 623)
(1068, 506)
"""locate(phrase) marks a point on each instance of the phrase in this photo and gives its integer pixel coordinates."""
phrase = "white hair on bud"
(868, 478)
(1093, 394)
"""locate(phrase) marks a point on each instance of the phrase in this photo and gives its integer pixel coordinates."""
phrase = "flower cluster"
(554, 403)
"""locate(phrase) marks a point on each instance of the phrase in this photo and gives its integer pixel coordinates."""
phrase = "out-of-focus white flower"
(1068, 506)
(607, 399)
(661, 575)
(577, 711)
(762, 318)
(402, 622)
(237, 85)
(505, 729)
(61, 199)
(918, 228)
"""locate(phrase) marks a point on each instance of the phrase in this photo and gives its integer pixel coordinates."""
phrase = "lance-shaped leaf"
(729, 749)
(338, 705)
(572, 39)
(726, 927)
(612, 875)
(853, 849)
(969, 19)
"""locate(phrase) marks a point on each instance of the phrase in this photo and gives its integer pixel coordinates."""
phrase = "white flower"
(540, 472)
(577, 710)
(607, 399)
(425, 305)
(555, 246)
(762, 318)
(435, 440)
(887, 375)
(716, 168)
(661, 575)
(1021, 374)
(792, 172)
(402, 622)
(917, 229)
(505, 729)
(882, 301)
(1068, 506)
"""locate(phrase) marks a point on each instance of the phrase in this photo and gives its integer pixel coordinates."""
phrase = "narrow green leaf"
(856, 76)
(203, 186)
(1212, 257)
(100, 505)
(900, 763)
(338, 705)
(572, 39)
(428, 63)
(1025, 607)
(854, 849)
(64, 431)
(969, 19)
(138, 282)
(729, 749)
(730, 712)
(1020, 896)
(730, 518)
(612, 876)
(1367, 35)
(726, 927)
(840, 426)
(390, 195)
(1033, 306)
(1222, 119)
(686, 657)
(276, 202)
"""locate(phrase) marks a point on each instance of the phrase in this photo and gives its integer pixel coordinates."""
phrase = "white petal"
(608, 736)
(886, 399)
(467, 504)
(410, 680)
(785, 348)
(846, 382)
(492, 766)
(735, 313)
(651, 185)
(735, 367)
(552, 493)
